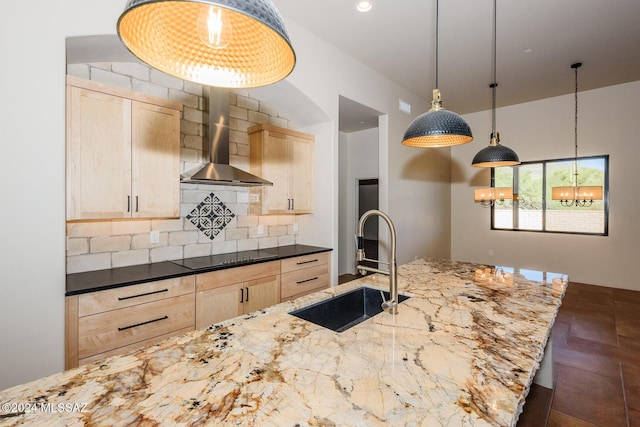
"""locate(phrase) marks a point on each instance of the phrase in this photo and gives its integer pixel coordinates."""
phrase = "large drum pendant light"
(226, 43)
(495, 155)
(437, 127)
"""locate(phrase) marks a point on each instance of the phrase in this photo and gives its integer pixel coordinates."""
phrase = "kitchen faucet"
(392, 304)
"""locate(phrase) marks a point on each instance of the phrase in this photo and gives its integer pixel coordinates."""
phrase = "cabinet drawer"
(121, 350)
(305, 261)
(230, 276)
(304, 281)
(117, 328)
(113, 299)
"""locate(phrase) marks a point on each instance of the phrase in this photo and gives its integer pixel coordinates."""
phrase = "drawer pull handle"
(144, 323)
(241, 295)
(308, 280)
(307, 262)
(247, 300)
(143, 295)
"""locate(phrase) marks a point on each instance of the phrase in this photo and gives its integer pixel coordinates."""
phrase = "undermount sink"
(344, 311)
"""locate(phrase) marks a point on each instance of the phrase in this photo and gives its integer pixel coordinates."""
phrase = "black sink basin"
(344, 311)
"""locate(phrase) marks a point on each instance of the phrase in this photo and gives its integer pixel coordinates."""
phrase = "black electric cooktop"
(237, 258)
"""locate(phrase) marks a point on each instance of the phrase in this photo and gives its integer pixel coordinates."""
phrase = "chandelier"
(576, 195)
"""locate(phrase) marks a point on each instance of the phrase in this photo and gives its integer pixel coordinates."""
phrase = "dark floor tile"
(625, 295)
(631, 374)
(570, 300)
(594, 329)
(629, 346)
(605, 312)
(632, 396)
(559, 334)
(574, 288)
(564, 316)
(593, 348)
(567, 359)
(629, 328)
(590, 397)
(596, 295)
(558, 419)
(536, 407)
(627, 310)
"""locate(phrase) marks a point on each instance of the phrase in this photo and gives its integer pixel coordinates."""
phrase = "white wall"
(607, 124)
(33, 176)
(358, 160)
(33, 133)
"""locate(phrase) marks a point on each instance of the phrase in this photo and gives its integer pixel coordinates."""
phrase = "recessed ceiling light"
(363, 6)
(528, 50)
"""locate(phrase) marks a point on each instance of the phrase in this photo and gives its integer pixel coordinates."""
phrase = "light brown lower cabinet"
(104, 323)
(223, 294)
(109, 322)
(303, 275)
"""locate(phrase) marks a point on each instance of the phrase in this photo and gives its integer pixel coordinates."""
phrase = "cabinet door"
(261, 293)
(98, 155)
(275, 168)
(155, 185)
(301, 179)
(218, 304)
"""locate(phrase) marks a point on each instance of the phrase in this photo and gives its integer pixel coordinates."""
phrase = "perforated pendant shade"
(437, 128)
(249, 47)
(495, 155)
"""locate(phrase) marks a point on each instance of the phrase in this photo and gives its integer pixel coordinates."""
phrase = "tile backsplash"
(96, 245)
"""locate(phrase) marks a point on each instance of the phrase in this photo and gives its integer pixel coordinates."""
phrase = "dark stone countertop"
(99, 280)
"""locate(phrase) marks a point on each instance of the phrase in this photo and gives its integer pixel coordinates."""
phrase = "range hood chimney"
(218, 171)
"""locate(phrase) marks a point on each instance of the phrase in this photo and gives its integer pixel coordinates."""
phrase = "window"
(532, 208)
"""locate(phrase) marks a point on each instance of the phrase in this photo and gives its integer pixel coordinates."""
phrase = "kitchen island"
(460, 351)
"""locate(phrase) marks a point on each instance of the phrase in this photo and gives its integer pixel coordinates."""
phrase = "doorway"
(359, 168)
(368, 199)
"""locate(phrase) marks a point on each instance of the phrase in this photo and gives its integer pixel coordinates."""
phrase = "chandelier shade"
(225, 43)
(492, 194)
(582, 192)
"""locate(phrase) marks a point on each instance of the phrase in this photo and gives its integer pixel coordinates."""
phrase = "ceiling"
(537, 41)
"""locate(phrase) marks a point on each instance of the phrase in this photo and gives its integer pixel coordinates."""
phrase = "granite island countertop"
(458, 353)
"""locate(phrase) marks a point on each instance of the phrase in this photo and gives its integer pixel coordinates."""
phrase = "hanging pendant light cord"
(437, 20)
(494, 84)
(575, 132)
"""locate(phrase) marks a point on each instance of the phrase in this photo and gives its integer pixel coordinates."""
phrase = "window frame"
(604, 157)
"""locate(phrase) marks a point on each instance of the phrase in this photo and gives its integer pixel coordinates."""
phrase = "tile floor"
(596, 354)
(596, 340)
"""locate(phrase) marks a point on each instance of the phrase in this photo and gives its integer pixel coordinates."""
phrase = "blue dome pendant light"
(495, 155)
(437, 127)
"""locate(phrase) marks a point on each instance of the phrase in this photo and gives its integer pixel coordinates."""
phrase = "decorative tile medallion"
(211, 216)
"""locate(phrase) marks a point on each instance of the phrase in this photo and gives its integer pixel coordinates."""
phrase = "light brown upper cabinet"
(123, 153)
(284, 157)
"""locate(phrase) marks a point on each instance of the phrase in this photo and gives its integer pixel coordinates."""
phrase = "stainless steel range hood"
(218, 171)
